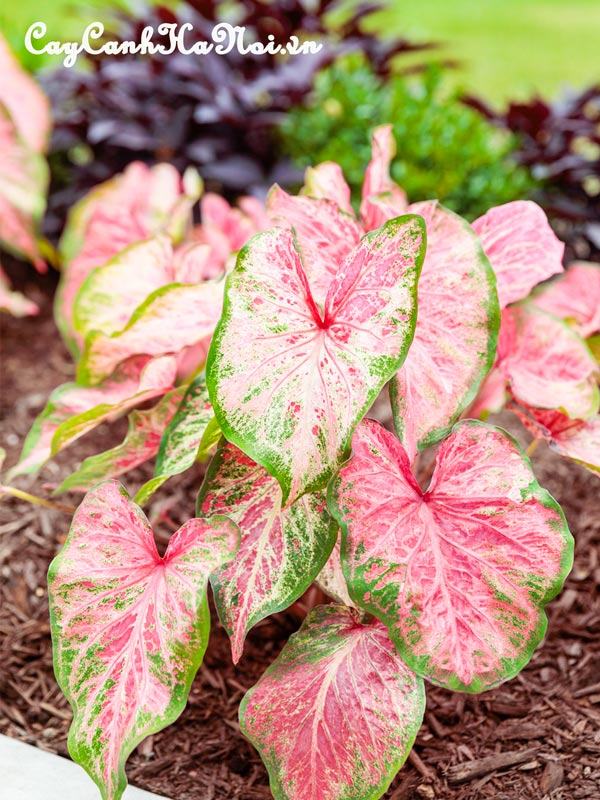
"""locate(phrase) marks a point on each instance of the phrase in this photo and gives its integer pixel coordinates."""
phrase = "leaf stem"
(36, 501)
(533, 446)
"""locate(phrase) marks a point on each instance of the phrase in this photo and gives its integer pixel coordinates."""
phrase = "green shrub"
(445, 149)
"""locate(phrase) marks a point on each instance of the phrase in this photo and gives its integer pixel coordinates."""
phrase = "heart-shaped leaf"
(546, 364)
(137, 380)
(182, 437)
(305, 380)
(460, 573)
(575, 297)
(455, 342)
(129, 627)
(521, 246)
(326, 182)
(171, 318)
(144, 433)
(335, 716)
(281, 550)
(331, 578)
(574, 438)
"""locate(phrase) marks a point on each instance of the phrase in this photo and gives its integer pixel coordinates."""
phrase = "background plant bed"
(539, 734)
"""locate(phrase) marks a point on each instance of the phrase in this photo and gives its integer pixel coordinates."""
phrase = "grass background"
(507, 48)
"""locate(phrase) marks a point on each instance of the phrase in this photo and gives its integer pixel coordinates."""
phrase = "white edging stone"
(28, 773)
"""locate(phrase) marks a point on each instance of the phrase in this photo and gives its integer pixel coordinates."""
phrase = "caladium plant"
(272, 370)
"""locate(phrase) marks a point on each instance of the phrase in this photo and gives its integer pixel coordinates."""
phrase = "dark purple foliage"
(218, 113)
(560, 143)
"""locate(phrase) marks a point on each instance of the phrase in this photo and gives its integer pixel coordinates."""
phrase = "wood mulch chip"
(536, 737)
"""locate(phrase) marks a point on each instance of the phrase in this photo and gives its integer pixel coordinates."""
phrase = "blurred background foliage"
(490, 100)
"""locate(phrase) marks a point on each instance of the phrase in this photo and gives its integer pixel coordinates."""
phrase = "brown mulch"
(534, 738)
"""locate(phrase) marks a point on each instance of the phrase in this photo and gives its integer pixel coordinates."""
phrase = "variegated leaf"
(71, 400)
(335, 716)
(460, 574)
(23, 185)
(575, 297)
(130, 207)
(382, 199)
(455, 342)
(281, 550)
(141, 443)
(326, 181)
(157, 377)
(171, 318)
(574, 438)
(112, 292)
(304, 380)
(521, 247)
(325, 235)
(129, 626)
(331, 578)
(546, 363)
(182, 437)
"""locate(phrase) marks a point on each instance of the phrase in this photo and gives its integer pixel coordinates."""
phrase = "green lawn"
(508, 48)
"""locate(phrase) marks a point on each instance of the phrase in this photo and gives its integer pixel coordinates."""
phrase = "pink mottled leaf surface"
(575, 297)
(574, 438)
(305, 379)
(129, 626)
(546, 364)
(281, 550)
(325, 235)
(142, 442)
(382, 199)
(23, 184)
(336, 714)
(26, 102)
(91, 405)
(326, 181)
(171, 318)
(521, 246)
(460, 573)
(130, 207)
(455, 341)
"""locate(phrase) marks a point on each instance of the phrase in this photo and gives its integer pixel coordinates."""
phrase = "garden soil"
(534, 738)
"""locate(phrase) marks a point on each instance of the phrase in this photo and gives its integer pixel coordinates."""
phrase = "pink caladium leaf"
(335, 716)
(141, 443)
(281, 550)
(129, 627)
(182, 438)
(130, 207)
(455, 342)
(521, 246)
(157, 377)
(325, 235)
(305, 379)
(15, 303)
(575, 297)
(576, 439)
(326, 181)
(381, 197)
(546, 364)
(460, 573)
(23, 184)
(171, 318)
(26, 102)
(138, 376)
